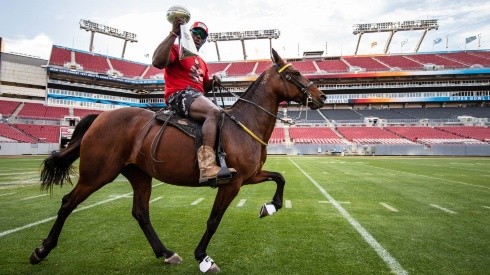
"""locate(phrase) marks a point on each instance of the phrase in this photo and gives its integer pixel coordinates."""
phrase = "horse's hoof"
(214, 269)
(34, 258)
(207, 265)
(174, 259)
(267, 210)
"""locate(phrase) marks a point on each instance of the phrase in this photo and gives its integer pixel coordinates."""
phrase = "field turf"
(342, 215)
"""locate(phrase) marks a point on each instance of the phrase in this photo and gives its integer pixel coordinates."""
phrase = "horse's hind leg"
(141, 184)
(69, 202)
(276, 203)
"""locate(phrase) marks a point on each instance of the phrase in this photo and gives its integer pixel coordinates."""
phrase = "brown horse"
(121, 141)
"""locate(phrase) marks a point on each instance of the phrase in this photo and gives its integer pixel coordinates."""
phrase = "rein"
(303, 88)
(246, 129)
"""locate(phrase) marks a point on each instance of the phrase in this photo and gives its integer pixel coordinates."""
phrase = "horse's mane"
(252, 87)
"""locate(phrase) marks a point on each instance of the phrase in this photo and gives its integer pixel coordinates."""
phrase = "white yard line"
(487, 207)
(443, 209)
(389, 207)
(33, 197)
(241, 203)
(22, 180)
(289, 204)
(340, 202)
(156, 199)
(5, 233)
(19, 173)
(382, 252)
(6, 194)
(429, 177)
(196, 202)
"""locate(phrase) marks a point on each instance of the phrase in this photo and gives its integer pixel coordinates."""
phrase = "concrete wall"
(382, 150)
(11, 149)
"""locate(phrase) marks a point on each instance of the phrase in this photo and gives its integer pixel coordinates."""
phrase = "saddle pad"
(186, 125)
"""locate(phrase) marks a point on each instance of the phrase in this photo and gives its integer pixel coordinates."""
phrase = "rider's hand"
(217, 79)
(176, 25)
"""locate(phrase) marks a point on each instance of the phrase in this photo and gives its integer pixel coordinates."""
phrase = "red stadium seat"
(127, 68)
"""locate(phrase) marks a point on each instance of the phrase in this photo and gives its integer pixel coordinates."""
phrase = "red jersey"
(191, 72)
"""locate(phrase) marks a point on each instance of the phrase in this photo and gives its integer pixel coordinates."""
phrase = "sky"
(31, 27)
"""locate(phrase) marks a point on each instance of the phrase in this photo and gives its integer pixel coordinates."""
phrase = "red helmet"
(201, 26)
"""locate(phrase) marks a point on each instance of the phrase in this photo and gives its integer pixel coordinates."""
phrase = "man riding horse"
(186, 80)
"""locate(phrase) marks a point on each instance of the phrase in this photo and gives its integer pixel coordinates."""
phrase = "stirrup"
(224, 176)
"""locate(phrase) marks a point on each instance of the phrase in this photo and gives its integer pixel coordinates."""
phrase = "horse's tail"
(58, 166)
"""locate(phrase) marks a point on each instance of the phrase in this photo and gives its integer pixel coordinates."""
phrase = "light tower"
(393, 27)
(242, 36)
(95, 27)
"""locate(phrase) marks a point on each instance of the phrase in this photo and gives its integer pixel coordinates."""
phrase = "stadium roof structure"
(96, 27)
(242, 36)
(393, 27)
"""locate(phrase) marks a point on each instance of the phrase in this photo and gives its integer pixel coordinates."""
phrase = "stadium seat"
(43, 133)
(40, 111)
(366, 62)
(92, 62)
(9, 133)
(128, 68)
(332, 66)
(399, 61)
(242, 68)
(7, 108)
(60, 56)
(371, 135)
(436, 60)
(315, 135)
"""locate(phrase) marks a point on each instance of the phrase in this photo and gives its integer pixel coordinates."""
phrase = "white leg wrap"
(271, 209)
(206, 264)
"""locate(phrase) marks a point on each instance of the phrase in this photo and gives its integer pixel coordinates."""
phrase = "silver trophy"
(175, 12)
(186, 44)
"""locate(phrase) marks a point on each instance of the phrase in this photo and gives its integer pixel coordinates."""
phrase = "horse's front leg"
(226, 194)
(276, 203)
(141, 184)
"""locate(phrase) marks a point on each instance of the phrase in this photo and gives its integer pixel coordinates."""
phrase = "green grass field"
(342, 215)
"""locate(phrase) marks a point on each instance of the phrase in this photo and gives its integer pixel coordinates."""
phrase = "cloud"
(39, 46)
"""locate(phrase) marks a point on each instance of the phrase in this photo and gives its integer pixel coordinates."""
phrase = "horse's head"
(296, 87)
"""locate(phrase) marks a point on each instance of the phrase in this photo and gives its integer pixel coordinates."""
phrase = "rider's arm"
(161, 56)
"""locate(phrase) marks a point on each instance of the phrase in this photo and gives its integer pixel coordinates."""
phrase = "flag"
(469, 39)
(374, 44)
(437, 40)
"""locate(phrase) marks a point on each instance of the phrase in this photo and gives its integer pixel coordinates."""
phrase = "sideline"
(382, 252)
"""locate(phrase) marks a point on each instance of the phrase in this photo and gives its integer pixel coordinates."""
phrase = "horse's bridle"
(303, 88)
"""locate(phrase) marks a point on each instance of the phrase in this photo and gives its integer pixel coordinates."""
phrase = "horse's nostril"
(323, 98)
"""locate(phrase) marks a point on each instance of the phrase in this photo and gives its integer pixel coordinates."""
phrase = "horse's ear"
(276, 59)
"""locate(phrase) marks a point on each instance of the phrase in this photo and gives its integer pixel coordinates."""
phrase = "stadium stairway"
(287, 138)
(16, 112)
(388, 66)
(416, 61)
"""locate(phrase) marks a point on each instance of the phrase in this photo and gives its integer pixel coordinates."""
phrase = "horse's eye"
(297, 73)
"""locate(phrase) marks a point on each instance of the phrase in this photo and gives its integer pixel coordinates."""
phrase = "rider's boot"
(208, 167)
